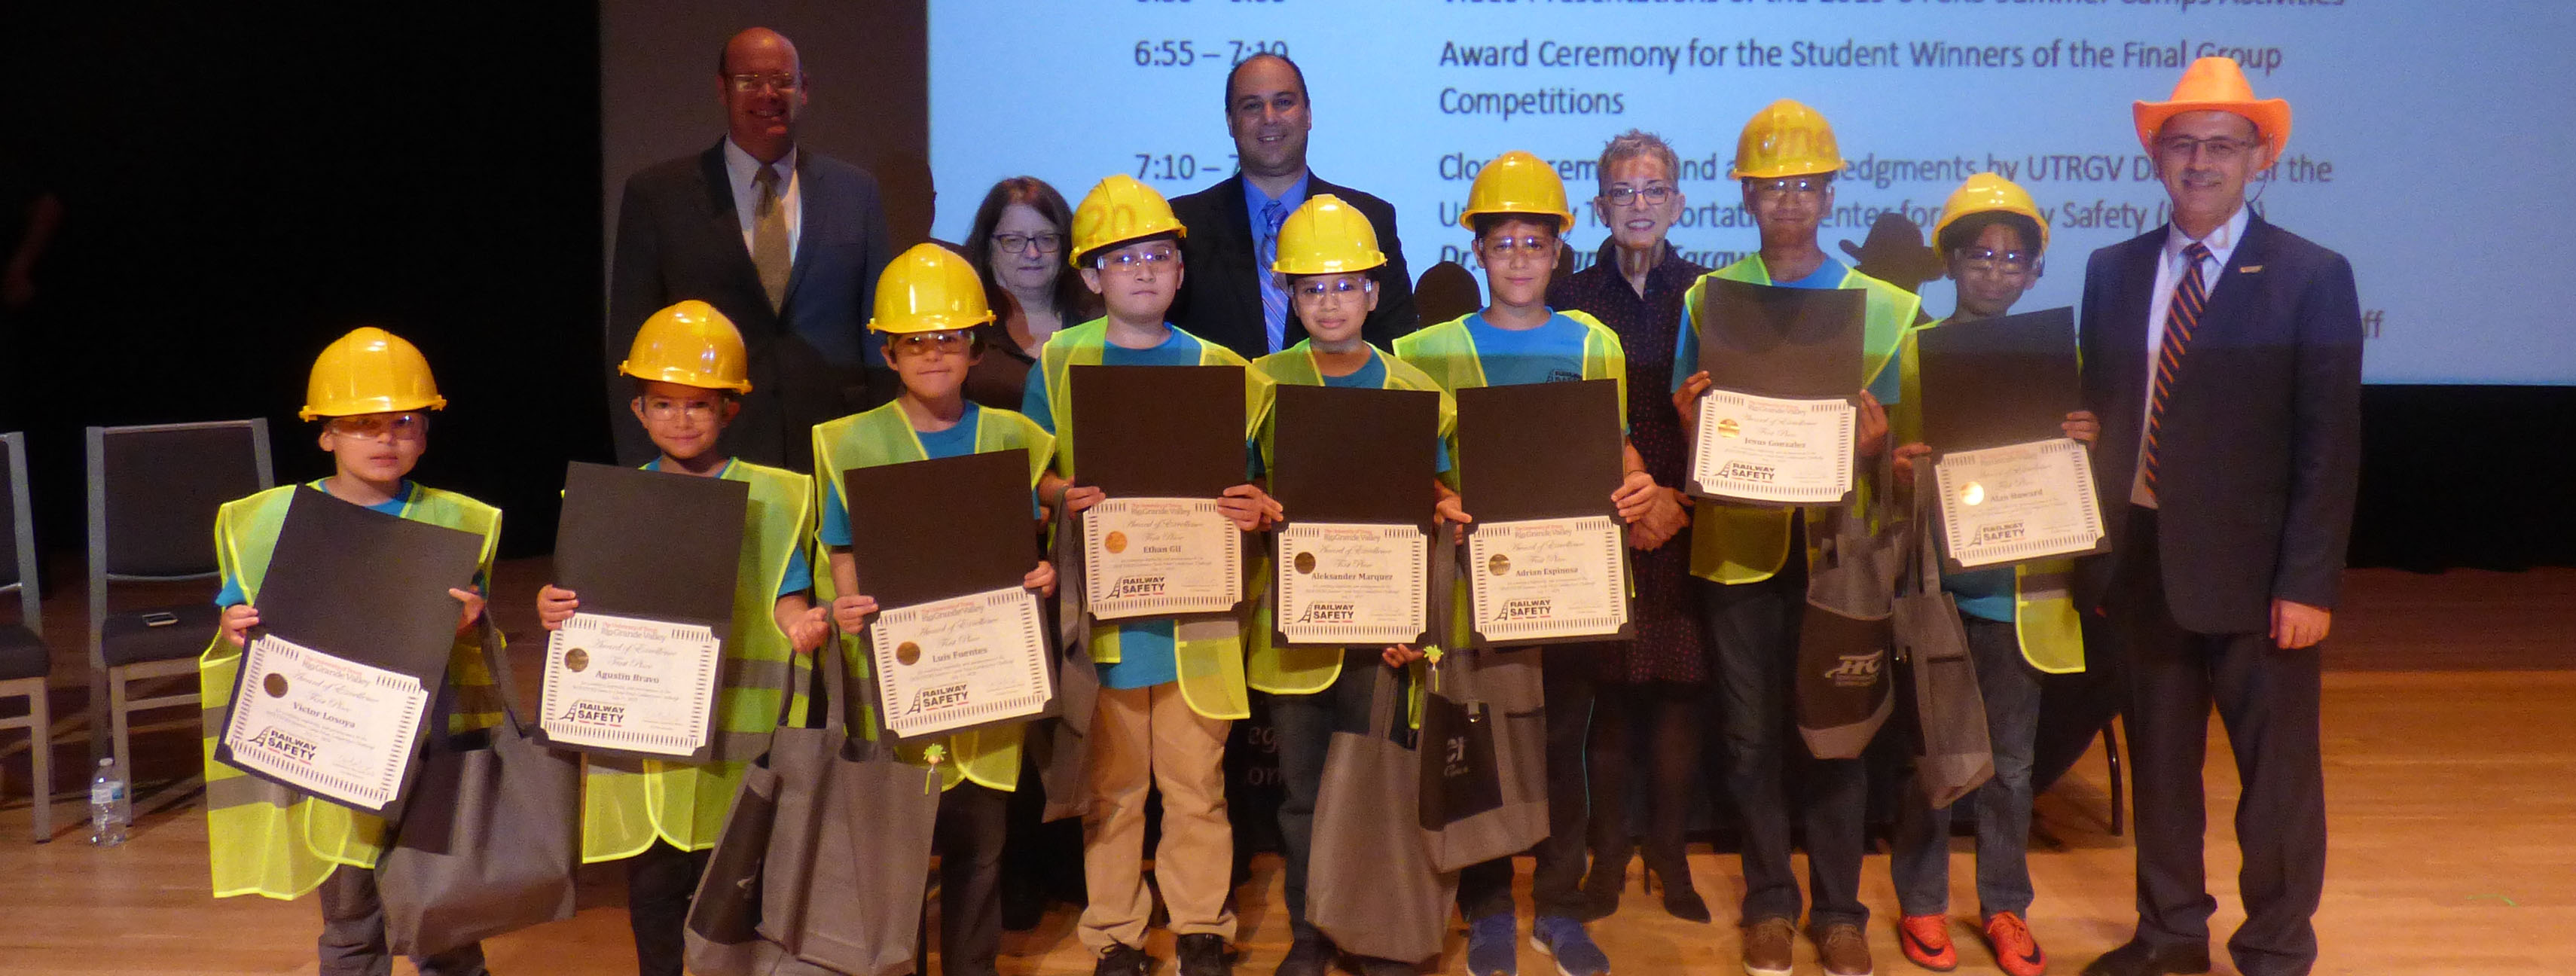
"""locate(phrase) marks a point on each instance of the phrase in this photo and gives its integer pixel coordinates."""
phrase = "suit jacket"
(678, 237)
(2259, 448)
(1220, 298)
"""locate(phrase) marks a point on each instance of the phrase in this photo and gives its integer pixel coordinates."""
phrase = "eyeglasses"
(1317, 289)
(1620, 196)
(2220, 149)
(1151, 259)
(944, 340)
(666, 408)
(1047, 243)
(1789, 185)
(1536, 245)
(746, 84)
(1989, 260)
(403, 426)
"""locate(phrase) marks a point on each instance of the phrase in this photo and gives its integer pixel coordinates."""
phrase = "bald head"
(762, 84)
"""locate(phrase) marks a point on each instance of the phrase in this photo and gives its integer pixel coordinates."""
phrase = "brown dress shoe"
(1767, 944)
(1844, 950)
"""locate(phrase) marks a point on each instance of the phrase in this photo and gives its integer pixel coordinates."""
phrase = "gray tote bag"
(1370, 884)
(1956, 754)
(1844, 692)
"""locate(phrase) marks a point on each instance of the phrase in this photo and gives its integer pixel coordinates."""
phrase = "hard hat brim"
(2271, 117)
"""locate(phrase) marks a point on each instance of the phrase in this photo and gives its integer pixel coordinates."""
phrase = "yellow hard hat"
(369, 370)
(1785, 138)
(1117, 210)
(929, 289)
(1518, 183)
(1988, 193)
(1327, 236)
(691, 344)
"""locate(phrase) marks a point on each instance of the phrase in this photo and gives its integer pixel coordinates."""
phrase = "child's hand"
(1686, 399)
(1871, 433)
(1251, 509)
(554, 606)
(238, 620)
(1041, 579)
(1081, 497)
(1635, 497)
(2082, 426)
(809, 630)
(852, 610)
(1399, 655)
(1454, 512)
(1905, 455)
(473, 601)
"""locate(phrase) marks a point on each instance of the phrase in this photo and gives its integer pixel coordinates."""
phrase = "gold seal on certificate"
(329, 726)
(624, 683)
(1766, 449)
(1151, 557)
(2018, 502)
(1352, 584)
(949, 664)
(1543, 579)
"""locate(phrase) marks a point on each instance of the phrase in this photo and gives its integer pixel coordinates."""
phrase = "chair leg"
(2119, 782)
(117, 746)
(41, 763)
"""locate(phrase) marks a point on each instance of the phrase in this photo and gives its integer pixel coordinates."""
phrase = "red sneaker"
(2015, 950)
(1926, 941)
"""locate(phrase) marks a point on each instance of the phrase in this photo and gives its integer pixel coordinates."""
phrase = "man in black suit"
(2223, 355)
(786, 243)
(1230, 298)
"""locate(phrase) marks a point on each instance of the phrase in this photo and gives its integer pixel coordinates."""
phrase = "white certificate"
(330, 726)
(1544, 579)
(630, 684)
(1764, 449)
(965, 661)
(1155, 557)
(1352, 584)
(2025, 501)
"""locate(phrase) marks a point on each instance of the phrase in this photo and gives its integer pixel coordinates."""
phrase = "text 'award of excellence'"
(2013, 487)
(337, 684)
(1777, 423)
(1547, 559)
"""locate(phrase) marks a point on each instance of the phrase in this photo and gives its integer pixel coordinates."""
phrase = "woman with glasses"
(1017, 248)
(1650, 689)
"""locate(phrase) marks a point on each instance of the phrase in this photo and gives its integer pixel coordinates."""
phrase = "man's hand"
(1870, 434)
(1041, 579)
(851, 611)
(2297, 625)
(554, 606)
(473, 611)
(1250, 508)
(2083, 426)
(1399, 655)
(1905, 455)
(238, 620)
(808, 629)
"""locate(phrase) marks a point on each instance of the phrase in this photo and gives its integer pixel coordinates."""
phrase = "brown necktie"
(769, 238)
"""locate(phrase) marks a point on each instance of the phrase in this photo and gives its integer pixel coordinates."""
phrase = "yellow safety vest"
(629, 802)
(1745, 544)
(2044, 615)
(1305, 671)
(265, 839)
(884, 436)
(1208, 652)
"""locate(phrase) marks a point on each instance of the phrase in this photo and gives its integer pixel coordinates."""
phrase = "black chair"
(153, 492)
(24, 660)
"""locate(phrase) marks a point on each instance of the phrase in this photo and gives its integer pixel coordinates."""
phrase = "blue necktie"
(1274, 300)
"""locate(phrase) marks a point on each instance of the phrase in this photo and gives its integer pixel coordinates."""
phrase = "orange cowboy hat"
(2216, 84)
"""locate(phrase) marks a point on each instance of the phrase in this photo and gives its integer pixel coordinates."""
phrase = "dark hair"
(1035, 194)
(1484, 222)
(1965, 230)
(638, 382)
(1293, 69)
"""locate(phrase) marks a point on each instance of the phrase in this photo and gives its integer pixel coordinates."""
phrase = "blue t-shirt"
(800, 573)
(1550, 353)
(1986, 594)
(1888, 386)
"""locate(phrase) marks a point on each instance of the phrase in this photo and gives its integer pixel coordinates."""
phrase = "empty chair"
(24, 660)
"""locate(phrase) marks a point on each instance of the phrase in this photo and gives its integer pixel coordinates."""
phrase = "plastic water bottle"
(109, 806)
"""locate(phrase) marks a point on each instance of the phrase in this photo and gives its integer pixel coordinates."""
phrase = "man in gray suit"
(786, 243)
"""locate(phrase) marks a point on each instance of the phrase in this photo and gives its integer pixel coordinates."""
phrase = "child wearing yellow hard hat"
(929, 306)
(1517, 212)
(1166, 700)
(371, 393)
(662, 816)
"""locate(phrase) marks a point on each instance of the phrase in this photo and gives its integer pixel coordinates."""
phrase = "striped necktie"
(1274, 300)
(2180, 318)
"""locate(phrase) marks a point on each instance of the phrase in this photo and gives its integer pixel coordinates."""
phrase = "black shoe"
(1372, 966)
(1680, 900)
(2140, 959)
(1123, 960)
(1306, 957)
(1601, 888)
(1204, 955)
(1023, 905)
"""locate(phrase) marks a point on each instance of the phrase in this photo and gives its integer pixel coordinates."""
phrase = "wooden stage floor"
(2451, 779)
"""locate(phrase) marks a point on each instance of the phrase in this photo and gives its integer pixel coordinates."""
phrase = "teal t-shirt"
(1888, 386)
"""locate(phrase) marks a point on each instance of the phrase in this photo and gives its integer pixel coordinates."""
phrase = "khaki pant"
(1135, 731)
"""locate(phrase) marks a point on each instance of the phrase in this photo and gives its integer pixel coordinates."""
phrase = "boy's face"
(1790, 208)
(684, 421)
(1993, 271)
(1517, 256)
(933, 364)
(376, 447)
(1136, 282)
(1333, 306)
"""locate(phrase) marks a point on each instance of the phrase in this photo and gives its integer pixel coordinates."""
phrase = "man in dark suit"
(2223, 355)
(1230, 298)
(788, 244)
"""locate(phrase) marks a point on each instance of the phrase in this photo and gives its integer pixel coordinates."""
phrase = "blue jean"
(1920, 862)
